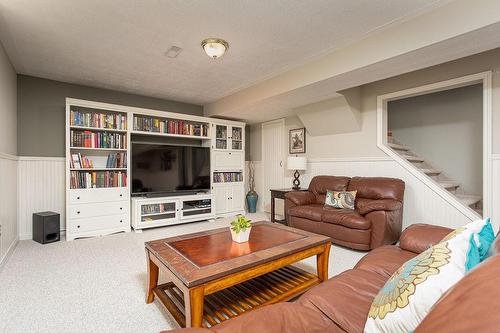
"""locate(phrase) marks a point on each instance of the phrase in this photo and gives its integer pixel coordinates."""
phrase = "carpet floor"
(98, 284)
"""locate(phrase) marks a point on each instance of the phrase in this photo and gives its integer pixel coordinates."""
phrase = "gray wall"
(8, 107)
(445, 128)
(41, 111)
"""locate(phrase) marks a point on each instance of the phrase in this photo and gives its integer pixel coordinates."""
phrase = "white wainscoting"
(495, 189)
(41, 187)
(421, 203)
(8, 205)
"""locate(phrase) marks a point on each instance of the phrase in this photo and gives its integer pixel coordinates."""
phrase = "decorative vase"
(242, 236)
(252, 198)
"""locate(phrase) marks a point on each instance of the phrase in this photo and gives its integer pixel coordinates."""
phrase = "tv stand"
(150, 212)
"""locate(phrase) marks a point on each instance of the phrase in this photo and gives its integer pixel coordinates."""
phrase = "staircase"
(437, 176)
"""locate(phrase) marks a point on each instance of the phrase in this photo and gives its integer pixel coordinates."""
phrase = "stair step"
(397, 146)
(413, 158)
(467, 199)
(431, 172)
(479, 211)
(449, 185)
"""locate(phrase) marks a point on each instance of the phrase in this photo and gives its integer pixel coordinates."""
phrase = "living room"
(175, 166)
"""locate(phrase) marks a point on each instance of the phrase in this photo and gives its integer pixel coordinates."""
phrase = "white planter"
(242, 236)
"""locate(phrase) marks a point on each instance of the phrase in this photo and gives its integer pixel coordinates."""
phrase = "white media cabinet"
(98, 196)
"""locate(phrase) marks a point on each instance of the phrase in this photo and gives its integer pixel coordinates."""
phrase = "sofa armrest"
(419, 237)
(189, 330)
(300, 198)
(367, 206)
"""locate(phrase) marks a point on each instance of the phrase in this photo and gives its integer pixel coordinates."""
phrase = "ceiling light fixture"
(214, 47)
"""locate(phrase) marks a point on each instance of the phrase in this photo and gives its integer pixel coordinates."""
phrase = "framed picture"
(297, 141)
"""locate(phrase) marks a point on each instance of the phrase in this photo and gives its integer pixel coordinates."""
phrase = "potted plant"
(252, 196)
(240, 229)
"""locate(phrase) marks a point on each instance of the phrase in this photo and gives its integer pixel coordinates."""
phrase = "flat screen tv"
(163, 169)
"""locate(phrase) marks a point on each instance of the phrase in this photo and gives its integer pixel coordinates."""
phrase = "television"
(163, 169)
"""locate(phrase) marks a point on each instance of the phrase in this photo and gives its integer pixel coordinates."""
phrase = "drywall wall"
(363, 143)
(8, 108)
(41, 111)
(8, 158)
(446, 129)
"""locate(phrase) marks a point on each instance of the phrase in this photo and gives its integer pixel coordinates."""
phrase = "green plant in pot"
(240, 229)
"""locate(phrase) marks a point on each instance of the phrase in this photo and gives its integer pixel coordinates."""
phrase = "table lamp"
(296, 163)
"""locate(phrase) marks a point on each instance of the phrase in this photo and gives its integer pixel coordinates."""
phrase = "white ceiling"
(120, 44)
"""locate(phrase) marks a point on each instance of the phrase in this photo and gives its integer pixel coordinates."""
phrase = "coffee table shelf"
(276, 286)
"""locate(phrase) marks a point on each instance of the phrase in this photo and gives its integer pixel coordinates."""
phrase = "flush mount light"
(214, 47)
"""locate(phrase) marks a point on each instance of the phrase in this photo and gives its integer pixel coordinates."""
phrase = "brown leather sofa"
(341, 304)
(375, 221)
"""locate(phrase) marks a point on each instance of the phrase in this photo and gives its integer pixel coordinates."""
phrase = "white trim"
(349, 159)
(6, 156)
(495, 157)
(485, 79)
(9, 253)
(40, 158)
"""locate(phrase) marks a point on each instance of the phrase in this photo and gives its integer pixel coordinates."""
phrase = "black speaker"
(46, 227)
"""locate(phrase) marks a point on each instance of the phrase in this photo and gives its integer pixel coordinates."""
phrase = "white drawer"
(97, 195)
(98, 209)
(228, 160)
(98, 223)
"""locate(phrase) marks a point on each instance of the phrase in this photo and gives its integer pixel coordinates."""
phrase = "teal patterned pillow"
(343, 199)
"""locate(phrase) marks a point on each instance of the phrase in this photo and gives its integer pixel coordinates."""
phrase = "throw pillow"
(412, 290)
(484, 235)
(340, 199)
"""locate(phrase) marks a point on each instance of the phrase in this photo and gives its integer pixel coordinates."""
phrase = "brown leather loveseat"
(342, 303)
(375, 221)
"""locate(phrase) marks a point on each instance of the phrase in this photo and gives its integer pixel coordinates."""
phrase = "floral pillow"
(412, 290)
(484, 236)
(343, 199)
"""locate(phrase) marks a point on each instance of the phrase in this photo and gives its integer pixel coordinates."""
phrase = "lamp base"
(296, 181)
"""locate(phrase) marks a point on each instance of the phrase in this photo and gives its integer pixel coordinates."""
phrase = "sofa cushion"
(321, 184)
(345, 217)
(384, 260)
(377, 188)
(311, 212)
(346, 298)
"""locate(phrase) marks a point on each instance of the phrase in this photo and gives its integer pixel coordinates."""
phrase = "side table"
(280, 194)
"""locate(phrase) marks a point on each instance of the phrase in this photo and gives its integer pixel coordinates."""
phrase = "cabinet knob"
(121, 195)
(77, 198)
(121, 221)
(78, 226)
(121, 208)
(78, 212)
(229, 153)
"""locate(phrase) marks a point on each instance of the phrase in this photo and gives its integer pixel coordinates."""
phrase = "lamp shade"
(297, 163)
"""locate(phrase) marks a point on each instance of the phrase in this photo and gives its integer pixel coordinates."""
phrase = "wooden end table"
(280, 194)
(212, 279)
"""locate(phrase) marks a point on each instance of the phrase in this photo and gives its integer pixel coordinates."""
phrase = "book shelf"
(99, 139)
(97, 159)
(170, 127)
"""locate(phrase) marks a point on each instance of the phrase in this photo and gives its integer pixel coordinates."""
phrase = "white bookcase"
(101, 204)
(228, 167)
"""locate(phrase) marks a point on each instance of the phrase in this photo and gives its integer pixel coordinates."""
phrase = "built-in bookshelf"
(84, 179)
(92, 119)
(227, 177)
(168, 126)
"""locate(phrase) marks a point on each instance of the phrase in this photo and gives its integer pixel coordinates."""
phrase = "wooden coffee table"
(211, 278)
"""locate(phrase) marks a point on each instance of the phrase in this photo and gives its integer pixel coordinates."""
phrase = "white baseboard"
(9, 253)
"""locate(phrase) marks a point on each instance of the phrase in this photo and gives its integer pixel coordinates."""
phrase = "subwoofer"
(46, 227)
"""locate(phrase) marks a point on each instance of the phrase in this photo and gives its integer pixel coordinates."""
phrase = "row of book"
(98, 179)
(156, 208)
(117, 160)
(228, 177)
(88, 139)
(148, 124)
(98, 120)
(80, 161)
